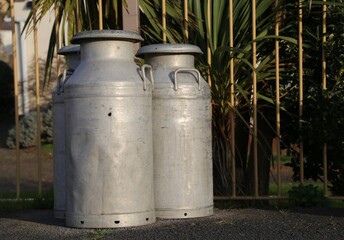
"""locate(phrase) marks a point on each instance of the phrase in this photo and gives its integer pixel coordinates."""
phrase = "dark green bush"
(305, 196)
(322, 108)
(28, 129)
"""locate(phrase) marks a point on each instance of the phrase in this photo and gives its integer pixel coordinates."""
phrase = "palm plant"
(213, 31)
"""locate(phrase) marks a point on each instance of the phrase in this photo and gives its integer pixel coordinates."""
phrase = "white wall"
(25, 44)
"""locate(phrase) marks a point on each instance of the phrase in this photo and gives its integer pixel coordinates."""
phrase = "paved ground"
(225, 224)
(28, 170)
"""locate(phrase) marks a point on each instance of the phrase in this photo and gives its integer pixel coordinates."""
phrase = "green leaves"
(305, 196)
(151, 24)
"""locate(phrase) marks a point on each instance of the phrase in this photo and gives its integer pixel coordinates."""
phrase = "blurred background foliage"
(323, 114)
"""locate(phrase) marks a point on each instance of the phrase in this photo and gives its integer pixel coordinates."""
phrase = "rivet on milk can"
(182, 139)
(72, 55)
(109, 148)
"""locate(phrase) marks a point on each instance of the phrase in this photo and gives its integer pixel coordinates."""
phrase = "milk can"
(108, 135)
(72, 56)
(181, 132)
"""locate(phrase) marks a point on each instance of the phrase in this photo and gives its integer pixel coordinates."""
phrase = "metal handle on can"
(59, 80)
(143, 69)
(187, 70)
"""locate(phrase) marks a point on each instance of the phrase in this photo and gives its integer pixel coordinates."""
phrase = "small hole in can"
(117, 222)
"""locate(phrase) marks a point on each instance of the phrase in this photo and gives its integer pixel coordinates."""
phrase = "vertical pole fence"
(278, 119)
(100, 11)
(186, 20)
(57, 34)
(38, 104)
(254, 80)
(209, 5)
(232, 99)
(77, 14)
(300, 43)
(323, 72)
(16, 102)
(163, 6)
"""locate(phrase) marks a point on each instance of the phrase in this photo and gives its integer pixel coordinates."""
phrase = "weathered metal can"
(72, 56)
(108, 135)
(182, 147)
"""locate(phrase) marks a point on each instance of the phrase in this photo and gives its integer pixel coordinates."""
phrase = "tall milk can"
(181, 132)
(72, 56)
(109, 145)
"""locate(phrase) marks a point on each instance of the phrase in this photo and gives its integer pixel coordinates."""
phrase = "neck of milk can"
(107, 49)
(170, 61)
(73, 60)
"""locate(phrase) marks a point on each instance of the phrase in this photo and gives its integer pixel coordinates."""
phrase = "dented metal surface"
(72, 55)
(181, 132)
(109, 135)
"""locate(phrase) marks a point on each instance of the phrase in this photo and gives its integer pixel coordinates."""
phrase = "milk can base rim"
(110, 220)
(184, 213)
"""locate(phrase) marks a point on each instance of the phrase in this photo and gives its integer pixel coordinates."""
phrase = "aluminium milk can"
(183, 182)
(72, 55)
(109, 135)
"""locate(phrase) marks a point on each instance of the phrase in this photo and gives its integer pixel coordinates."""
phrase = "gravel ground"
(224, 224)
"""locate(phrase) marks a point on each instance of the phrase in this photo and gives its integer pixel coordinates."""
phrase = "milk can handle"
(143, 69)
(186, 70)
(61, 79)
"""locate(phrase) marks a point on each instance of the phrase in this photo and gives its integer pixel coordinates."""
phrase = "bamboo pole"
(38, 103)
(232, 99)
(300, 42)
(57, 34)
(15, 76)
(208, 40)
(100, 5)
(278, 118)
(163, 6)
(324, 87)
(254, 78)
(186, 19)
(323, 45)
(77, 13)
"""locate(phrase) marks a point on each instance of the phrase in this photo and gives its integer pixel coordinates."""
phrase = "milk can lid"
(70, 49)
(106, 35)
(169, 48)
